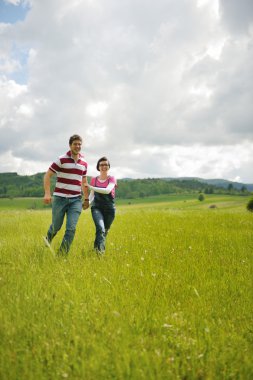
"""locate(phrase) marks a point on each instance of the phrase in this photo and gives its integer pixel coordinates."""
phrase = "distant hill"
(219, 182)
(13, 185)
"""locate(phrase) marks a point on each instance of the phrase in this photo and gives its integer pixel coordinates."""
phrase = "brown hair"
(75, 137)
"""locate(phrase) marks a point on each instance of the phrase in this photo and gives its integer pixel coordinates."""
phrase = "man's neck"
(75, 156)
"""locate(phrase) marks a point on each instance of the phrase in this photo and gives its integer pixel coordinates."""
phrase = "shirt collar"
(79, 155)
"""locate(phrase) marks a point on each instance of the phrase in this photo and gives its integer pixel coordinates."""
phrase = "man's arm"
(47, 181)
(85, 193)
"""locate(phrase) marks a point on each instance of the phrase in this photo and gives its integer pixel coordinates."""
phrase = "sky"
(162, 88)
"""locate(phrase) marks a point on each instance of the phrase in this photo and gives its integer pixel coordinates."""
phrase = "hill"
(221, 183)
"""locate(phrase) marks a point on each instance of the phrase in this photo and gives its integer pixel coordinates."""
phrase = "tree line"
(13, 185)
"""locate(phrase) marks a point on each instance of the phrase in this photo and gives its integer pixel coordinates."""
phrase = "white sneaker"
(48, 245)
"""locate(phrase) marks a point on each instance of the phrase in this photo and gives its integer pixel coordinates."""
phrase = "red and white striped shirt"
(69, 175)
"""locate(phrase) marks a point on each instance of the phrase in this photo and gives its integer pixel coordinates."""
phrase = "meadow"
(171, 298)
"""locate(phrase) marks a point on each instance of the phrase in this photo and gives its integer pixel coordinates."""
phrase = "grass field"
(171, 298)
(22, 204)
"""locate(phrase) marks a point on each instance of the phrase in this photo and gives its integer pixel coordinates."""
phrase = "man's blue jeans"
(61, 206)
(103, 219)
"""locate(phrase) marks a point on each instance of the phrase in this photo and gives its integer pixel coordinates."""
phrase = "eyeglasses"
(103, 165)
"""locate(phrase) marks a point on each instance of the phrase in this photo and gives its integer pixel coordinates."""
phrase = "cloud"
(163, 89)
(237, 16)
(181, 161)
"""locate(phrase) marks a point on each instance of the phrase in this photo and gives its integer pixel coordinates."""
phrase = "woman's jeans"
(103, 218)
(61, 206)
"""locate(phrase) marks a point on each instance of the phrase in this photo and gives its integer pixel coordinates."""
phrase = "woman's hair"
(103, 159)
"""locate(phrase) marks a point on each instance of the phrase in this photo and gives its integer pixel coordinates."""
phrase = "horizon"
(141, 178)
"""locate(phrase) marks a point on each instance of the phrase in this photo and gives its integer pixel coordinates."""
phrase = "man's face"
(76, 147)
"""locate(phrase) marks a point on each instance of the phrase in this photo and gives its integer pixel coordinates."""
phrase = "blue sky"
(163, 93)
(11, 13)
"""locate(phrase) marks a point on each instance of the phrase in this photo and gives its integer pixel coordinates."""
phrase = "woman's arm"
(91, 196)
(103, 190)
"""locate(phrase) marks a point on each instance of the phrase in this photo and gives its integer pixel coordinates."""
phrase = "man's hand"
(47, 199)
(86, 204)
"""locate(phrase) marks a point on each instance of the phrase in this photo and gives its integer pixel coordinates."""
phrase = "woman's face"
(103, 166)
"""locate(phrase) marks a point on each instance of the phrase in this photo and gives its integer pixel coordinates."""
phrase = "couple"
(71, 182)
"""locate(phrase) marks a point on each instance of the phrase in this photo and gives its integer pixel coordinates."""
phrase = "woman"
(102, 198)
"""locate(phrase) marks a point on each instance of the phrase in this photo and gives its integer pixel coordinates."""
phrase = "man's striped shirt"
(69, 175)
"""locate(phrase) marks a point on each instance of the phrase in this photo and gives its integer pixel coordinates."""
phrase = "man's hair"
(103, 159)
(75, 137)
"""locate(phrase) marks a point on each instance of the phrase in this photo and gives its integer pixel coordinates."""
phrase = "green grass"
(22, 204)
(171, 299)
(37, 203)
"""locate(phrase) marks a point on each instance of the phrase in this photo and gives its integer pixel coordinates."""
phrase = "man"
(71, 181)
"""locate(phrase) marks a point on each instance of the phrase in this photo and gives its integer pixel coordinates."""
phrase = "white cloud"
(13, 2)
(26, 110)
(11, 89)
(192, 161)
(165, 92)
(96, 109)
(9, 65)
(20, 165)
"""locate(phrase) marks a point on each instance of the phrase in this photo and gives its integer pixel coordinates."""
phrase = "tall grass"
(171, 298)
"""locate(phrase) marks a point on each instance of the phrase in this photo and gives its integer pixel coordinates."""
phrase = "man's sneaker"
(47, 244)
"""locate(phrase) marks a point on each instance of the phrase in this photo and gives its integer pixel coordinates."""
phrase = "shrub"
(201, 197)
(250, 205)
